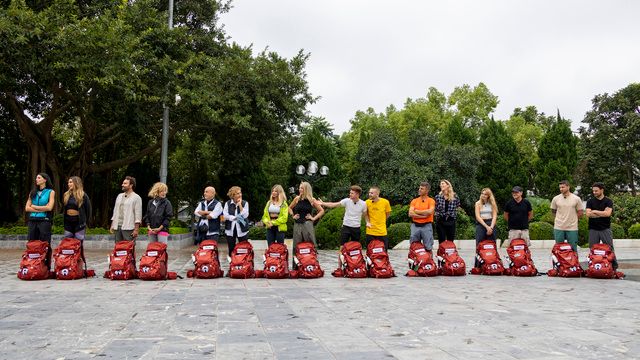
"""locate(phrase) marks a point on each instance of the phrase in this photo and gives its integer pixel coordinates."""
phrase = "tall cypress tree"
(557, 157)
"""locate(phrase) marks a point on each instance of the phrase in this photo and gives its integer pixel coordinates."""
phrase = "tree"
(610, 144)
(473, 104)
(557, 157)
(500, 167)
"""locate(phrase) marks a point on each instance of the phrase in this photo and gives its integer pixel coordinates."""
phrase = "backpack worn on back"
(379, 266)
(421, 261)
(68, 260)
(565, 261)
(153, 264)
(488, 258)
(33, 264)
(521, 263)
(306, 259)
(207, 263)
(241, 265)
(122, 262)
(276, 262)
(449, 261)
(353, 262)
(601, 263)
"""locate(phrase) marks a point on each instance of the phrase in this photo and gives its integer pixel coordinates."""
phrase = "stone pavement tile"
(362, 355)
(129, 348)
(246, 350)
(427, 352)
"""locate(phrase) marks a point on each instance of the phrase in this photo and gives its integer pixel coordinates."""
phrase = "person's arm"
(225, 213)
(244, 210)
(45, 208)
(137, 213)
(494, 217)
(29, 206)
(319, 212)
(217, 211)
(530, 215)
(387, 210)
(554, 208)
(600, 213)
(266, 219)
(168, 214)
(329, 204)
(505, 215)
(477, 214)
(88, 210)
(367, 221)
(201, 213)
(579, 209)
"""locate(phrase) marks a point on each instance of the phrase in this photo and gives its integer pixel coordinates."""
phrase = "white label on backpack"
(488, 246)
(599, 252)
(518, 247)
(565, 247)
(152, 253)
(203, 253)
(420, 251)
(67, 252)
(305, 251)
(354, 252)
(274, 255)
(34, 256)
(242, 251)
(121, 253)
(450, 251)
(208, 247)
(377, 250)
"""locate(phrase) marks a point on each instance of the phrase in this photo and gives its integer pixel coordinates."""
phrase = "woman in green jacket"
(275, 215)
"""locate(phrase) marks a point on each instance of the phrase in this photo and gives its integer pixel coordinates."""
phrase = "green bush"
(257, 233)
(14, 230)
(540, 208)
(618, 231)
(328, 229)
(463, 220)
(502, 231)
(547, 217)
(97, 231)
(58, 220)
(634, 231)
(583, 231)
(399, 214)
(176, 223)
(466, 233)
(398, 232)
(179, 230)
(540, 230)
(626, 210)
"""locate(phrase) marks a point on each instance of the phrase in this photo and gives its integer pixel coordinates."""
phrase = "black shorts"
(349, 233)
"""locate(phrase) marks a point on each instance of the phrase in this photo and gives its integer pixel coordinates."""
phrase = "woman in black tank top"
(301, 209)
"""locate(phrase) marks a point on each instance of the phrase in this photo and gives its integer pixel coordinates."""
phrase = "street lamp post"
(164, 154)
(311, 173)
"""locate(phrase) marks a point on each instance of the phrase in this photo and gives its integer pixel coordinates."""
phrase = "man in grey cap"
(518, 213)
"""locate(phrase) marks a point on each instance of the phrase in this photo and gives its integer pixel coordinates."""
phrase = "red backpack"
(33, 264)
(241, 266)
(153, 264)
(276, 262)
(601, 263)
(122, 261)
(449, 261)
(353, 263)
(488, 258)
(306, 258)
(421, 261)
(68, 260)
(379, 264)
(564, 261)
(521, 263)
(206, 261)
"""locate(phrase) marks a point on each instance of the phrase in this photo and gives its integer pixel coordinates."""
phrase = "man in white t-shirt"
(355, 210)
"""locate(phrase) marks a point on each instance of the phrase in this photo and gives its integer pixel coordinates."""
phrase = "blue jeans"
(274, 235)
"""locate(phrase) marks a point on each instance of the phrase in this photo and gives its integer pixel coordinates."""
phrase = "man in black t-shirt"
(599, 209)
(518, 213)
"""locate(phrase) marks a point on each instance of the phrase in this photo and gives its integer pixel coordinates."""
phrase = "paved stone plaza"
(471, 317)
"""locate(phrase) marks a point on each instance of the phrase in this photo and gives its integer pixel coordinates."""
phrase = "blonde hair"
(156, 189)
(307, 192)
(451, 194)
(232, 191)
(282, 198)
(491, 199)
(78, 191)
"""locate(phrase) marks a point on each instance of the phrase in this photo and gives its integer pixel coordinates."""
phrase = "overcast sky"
(551, 54)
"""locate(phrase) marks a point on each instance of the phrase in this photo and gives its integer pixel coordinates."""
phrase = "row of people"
(306, 210)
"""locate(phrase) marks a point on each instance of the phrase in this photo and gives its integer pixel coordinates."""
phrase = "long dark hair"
(47, 185)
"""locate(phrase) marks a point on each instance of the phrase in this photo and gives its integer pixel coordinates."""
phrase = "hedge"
(398, 232)
(540, 230)
(399, 214)
(618, 231)
(634, 231)
(328, 229)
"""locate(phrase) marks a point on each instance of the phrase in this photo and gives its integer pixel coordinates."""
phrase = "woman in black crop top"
(76, 210)
(301, 209)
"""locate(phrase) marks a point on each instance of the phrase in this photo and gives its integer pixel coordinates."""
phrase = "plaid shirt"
(443, 211)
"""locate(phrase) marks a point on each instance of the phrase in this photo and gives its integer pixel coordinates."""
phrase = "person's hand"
(296, 216)
(268, 224)
(368, 224)
(134, 234)
(111, 231)
(489, 231)
(309, 217)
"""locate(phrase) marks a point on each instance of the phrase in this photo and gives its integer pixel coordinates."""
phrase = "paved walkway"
(471, 317)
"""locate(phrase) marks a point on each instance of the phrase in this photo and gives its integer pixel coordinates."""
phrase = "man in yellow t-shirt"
(378, 211)
(421, 213)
